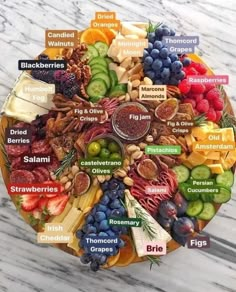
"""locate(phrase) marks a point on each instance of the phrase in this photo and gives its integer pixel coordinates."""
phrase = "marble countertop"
(26, 266)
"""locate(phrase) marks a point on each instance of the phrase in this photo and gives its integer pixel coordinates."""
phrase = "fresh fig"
(167, 109)
(147, 169)
(82, 183)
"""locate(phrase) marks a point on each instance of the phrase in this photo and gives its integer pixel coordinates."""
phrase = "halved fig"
(147, 169)
(167, 109)
(81, 183)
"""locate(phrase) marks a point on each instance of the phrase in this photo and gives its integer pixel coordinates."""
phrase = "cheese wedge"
(141, 236)
(216, 168)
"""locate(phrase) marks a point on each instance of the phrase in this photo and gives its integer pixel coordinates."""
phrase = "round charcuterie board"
(116, 146)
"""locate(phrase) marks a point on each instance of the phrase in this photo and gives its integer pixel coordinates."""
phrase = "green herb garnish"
(153, 260)
(152, 27)
(66, 162)
(200, 120)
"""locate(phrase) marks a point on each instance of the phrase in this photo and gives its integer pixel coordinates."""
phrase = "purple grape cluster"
(96, 223)
(66, 83)
(171, 216)
(160, 66)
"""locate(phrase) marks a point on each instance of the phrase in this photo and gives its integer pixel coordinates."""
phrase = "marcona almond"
(64, 180)
(128, 181)
(147, 81)
(134, 94)
(149, 138)
(68, 185)
(74, 169)
(127, 97)
(135, 83)
(126, 162)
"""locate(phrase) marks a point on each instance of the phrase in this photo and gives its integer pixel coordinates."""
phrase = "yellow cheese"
(214, 155)
(200, 132)
(190, 140)
(223, 154)
(208, 161)
(224, 163)
(196, 158)
(228, 134)
(232, 154)
(188, 164)
(216, 168)
(183, 157)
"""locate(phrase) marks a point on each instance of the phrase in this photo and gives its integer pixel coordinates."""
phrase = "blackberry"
(58, 74)
(40, 74)
(71, 80)
(69, 92)
(43, 57)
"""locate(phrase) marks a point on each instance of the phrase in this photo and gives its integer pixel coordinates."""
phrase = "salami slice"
(54, 164)
(43, 170)
(17, 150)
(16, 164)
(41, 147)
(22, 176)
(39, 177)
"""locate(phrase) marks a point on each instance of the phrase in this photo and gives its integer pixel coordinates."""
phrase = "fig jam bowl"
(127, 122)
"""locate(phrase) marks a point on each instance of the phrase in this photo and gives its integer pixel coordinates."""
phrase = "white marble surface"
(26, 266)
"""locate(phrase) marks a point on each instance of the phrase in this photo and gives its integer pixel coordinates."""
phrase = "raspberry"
(201, 68)
(213, 94)
(209, 86)
(191, 71)
(218, 115)
(218, 104)
(203, 106)
(191, 101)
(211, 115)
(184, 86)
(198, 88)
(196, 97)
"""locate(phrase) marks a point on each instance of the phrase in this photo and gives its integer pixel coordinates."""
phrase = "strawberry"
(218, 115)
(211, 115)
(29, 202)
(191, 101)
(201, 68)
(218, 104)
(198, 88)
(43, 202)
(209, 86)
(212, 94)
(50, 196)
(203, 106)
(184, 86)
(37, 213)
(57, 204)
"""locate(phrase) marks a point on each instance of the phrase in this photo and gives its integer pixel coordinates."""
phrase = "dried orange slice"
(110, 33)
(127, 253)
(92, 35)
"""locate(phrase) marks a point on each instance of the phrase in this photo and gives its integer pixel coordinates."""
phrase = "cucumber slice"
(114, 78)
(226, 179)
(182, 173)
(104, 77)
(207, 197)
(118, 90)
(223, 197)
(201, 172)
(109, 60)
(98, 61)
(99, 67)
(102, 48)
(96, 71)
(194, 208)
(188, 196)
(208, 212)
(96, 88)
(91, 53)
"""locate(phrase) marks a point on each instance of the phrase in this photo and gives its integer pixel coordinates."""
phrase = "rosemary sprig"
(152, 27)
(146, 225)
(66, 162)
(7, 162)
(153, 260)
(200, 120)
(228, 121)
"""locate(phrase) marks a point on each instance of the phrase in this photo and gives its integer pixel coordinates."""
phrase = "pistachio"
(126, 162)
(128, 181)
(64, 180)
(120, 172)
(131, 148)
(149, 138)
(101, 178)
(137, 154)
(142, 145)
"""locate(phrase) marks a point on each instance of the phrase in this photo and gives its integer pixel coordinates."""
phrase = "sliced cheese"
(228, 135)
(190, 140)
(59, 218)
(74, 244)
(196, 158)
(72, 219)
(216, 168)
(140, 236)
(209, 161)
(188, 164)
(120, 71)
(200, 133)
(129, 29)
(214, 155)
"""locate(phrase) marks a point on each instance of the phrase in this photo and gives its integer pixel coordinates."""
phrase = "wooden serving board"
(6, 121)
